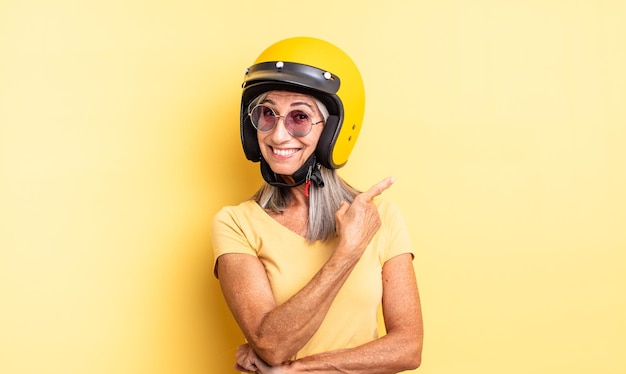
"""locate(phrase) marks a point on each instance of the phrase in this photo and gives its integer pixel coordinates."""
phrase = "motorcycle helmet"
(317, 68)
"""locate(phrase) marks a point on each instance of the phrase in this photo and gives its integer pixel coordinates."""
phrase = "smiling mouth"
(284, 152)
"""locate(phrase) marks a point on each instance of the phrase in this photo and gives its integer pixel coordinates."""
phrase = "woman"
(305, 264)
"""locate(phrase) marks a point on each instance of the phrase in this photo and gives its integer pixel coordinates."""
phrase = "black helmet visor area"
(293, 73)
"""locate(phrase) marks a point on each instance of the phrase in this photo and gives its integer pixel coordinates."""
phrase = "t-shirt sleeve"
(228, 236)
(397, 238)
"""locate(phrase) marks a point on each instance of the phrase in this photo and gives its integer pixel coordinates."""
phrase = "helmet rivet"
(280, 64)
(328, 75)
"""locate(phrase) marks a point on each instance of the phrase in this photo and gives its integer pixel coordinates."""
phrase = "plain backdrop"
(502, 121)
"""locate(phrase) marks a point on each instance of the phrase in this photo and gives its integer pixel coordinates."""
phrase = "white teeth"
(284, 152)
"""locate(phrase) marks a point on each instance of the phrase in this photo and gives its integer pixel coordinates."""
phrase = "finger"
(243, 369)
(378, 188)
(262, 366)
(246, 366)
(343, 207)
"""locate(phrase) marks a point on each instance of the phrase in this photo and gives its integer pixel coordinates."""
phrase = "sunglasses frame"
(278, 117)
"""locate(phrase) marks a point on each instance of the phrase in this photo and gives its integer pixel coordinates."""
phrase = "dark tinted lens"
(263, 118)
(298, 123)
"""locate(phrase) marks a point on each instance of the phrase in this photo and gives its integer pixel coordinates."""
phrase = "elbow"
(414, 361)
(272, 348)
(272, 358)
(412, 355)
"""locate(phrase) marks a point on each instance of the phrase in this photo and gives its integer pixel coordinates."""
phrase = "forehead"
(286, 97)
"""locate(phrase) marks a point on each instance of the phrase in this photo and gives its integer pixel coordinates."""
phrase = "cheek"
(260, 136)
(314, 136)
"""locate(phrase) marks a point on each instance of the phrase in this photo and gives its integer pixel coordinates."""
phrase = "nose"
(279, 132)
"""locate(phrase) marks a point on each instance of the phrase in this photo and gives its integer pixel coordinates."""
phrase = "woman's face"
(284, 152)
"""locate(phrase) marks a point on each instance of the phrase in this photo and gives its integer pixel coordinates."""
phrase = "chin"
(283, 170)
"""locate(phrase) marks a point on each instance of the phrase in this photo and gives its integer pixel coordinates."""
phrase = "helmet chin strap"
(308, 172)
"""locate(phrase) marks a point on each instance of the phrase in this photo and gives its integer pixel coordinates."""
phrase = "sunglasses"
(297, 122)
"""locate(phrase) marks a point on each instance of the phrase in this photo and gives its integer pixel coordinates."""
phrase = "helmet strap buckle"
(309, 171)
(314, 175)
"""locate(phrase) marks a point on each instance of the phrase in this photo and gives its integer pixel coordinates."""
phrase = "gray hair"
(323, 203)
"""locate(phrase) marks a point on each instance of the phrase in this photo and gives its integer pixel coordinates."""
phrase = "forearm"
(391, 353)
(287, 328)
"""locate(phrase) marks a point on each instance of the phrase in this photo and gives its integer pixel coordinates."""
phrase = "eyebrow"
(295, 103)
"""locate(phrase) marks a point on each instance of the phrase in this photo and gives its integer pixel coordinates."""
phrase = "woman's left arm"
(398, 350)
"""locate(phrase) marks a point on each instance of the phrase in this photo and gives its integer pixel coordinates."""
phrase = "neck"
(297, 190)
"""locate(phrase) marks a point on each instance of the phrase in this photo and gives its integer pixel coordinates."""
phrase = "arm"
(400, 349)
(277, 332)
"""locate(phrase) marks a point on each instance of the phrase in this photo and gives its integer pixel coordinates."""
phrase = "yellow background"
(504, 123)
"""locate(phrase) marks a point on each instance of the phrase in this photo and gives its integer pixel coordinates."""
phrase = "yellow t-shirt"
(290, 262)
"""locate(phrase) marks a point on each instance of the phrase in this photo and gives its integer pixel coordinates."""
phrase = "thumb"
(343, 207)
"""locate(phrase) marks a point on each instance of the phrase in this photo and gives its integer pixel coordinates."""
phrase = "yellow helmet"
(318, 68)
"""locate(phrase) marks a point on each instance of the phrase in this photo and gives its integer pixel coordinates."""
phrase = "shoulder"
(236, 212)
(233, 230)
(239, 219)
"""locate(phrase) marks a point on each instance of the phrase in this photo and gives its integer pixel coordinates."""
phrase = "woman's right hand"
(358, 222)
(246, 359)
(249, 362)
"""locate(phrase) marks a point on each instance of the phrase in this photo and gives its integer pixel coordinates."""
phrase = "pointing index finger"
(378, 188)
